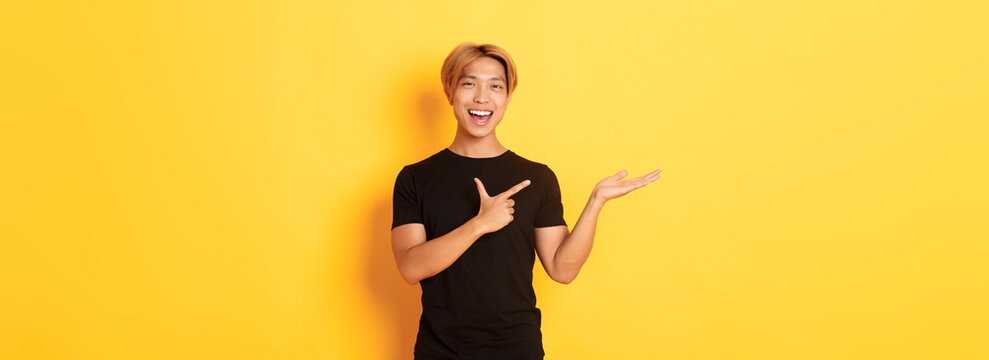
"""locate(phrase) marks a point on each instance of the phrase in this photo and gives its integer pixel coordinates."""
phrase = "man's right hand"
(496, 211)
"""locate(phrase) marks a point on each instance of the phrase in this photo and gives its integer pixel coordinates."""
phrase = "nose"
(480, 96)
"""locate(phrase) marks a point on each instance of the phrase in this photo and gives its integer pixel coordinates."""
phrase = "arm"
(563, 253)
(418, 259)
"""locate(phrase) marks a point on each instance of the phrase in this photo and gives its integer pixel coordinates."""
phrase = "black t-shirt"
(483, 305)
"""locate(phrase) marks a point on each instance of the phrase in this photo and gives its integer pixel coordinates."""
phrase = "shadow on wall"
(398, 301)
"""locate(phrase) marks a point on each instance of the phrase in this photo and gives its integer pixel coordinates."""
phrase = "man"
(466, 221)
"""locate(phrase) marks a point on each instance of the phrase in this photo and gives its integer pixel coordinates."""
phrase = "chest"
(450, 200)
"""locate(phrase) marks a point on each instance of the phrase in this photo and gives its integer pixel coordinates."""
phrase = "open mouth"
(480, 117)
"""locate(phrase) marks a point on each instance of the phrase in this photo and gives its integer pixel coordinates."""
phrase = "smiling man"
(469, 220)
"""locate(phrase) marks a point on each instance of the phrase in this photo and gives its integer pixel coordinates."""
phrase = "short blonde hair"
(466, 52)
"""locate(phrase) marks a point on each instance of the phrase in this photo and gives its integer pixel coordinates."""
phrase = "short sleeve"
(405, 202)
(551, 207)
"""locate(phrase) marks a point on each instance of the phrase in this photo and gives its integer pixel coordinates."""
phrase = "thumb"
(620, 175)
(480, 188)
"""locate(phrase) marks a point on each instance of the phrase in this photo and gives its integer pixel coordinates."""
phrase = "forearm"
(433, 256)
(574, 250)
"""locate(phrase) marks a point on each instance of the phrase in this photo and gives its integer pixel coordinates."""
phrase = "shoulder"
(540, 171)
(536, 166)
(423, 165)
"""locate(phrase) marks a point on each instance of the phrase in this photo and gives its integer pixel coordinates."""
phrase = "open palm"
(613, 186)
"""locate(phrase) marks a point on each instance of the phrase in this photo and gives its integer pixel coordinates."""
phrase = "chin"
(479, 133)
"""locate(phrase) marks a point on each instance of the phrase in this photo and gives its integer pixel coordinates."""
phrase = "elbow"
(409, 279)
(409, 276)
(413, 276)
(564, 279)
(564, 273)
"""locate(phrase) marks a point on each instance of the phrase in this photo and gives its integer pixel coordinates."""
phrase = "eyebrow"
(475, 77)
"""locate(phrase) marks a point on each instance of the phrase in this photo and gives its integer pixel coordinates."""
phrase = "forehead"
(484, 68)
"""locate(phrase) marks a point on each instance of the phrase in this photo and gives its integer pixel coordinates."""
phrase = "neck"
(470, 146)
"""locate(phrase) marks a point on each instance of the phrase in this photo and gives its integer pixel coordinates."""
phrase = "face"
(480, 96)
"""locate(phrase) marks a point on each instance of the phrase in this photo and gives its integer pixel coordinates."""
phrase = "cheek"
(502, 106)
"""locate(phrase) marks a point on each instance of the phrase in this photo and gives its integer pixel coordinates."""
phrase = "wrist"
(596, 197)
(475, 227)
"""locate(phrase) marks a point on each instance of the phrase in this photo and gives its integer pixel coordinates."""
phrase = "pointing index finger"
(516, 188)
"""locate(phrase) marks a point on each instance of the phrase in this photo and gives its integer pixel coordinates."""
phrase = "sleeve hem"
(400, 223)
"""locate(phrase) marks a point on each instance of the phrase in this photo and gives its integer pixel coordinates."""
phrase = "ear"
(449, 99)
(508, 100)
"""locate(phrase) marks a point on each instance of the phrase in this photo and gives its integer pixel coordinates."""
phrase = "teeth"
(479, 113)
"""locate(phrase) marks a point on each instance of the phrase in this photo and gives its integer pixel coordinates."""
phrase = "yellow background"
(193, 180)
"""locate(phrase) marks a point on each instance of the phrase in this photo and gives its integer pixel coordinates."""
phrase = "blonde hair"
(464, 53)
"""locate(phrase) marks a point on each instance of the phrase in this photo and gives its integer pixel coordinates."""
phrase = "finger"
(654, 175)
(516, 188)
(645, 182)
(480, 188)
(511, 210)
(632, 185)
(511, 202)
(648, 176)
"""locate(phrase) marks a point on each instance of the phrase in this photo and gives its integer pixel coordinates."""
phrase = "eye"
(468, 83)
(497, 86)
